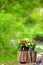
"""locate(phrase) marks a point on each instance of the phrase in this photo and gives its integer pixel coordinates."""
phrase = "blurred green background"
(19, 19)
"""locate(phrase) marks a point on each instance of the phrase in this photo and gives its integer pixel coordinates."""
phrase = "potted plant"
(23, 45)
(32, 45)
(27, 43)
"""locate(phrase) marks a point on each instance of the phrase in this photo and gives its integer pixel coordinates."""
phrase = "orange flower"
(22, 42)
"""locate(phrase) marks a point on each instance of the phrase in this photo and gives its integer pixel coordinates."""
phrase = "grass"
(39, 50)
(8, 54)
(8, 58)
(39, 43)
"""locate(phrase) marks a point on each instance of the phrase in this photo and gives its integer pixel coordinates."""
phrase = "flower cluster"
(21, 43)
(26, 42)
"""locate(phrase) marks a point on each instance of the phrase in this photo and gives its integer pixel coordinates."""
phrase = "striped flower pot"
(23, 48)
(32, 49)
(22, 54)
(34, 55)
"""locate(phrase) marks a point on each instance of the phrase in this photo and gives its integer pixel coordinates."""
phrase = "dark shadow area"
(40, 39)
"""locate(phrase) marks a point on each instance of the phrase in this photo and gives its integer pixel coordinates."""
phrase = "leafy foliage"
(19, 19)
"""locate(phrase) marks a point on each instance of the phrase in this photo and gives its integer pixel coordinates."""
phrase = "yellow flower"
(26, 39)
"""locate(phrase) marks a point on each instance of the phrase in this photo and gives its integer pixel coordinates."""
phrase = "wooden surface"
(34, 55)
(22, 56)
(27, 56)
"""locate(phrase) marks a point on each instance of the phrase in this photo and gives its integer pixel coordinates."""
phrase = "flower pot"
(32, 49)
(23, 48)
(22, 56)
(20, 49)
(26, 48)
(34, 55)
